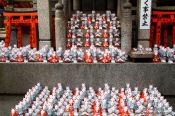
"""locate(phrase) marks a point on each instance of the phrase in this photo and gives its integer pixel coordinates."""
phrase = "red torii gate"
(19, 20)
(162, 19)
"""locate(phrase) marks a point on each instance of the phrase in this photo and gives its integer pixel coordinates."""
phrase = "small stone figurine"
(38, 56)
(106, 58)
(98, 34)
(162, 54)
(19, 57)
(87, 43)
(105, 34)
(80, 55)
(156, 58)
(69, 34)
(31, 55)
(105, 43)
(170, 55)
(59, 53)
(79, 33)
(88, 57)
(121, 58)
(68, 44)
(98, 43)
(67, 58)
(79, 42)
(53, 58)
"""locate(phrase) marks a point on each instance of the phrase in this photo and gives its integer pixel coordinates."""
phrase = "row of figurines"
(87, 43)
(141, 49)
(112, 33)
(73, 55)
(87, 102)
(164, 54)
(96, 25)
(79, 16)
(161, 53)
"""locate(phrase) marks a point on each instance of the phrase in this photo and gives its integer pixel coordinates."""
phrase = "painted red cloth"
(105, 44)
(87, 58)
(156, 59)
(87, 44)
(19, 58)
(54, 59)
(105, 35)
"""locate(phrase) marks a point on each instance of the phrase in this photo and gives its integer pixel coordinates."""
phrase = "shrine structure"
(44, 22)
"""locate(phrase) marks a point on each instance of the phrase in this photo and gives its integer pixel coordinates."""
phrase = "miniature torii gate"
(19, 20)
(162, 19)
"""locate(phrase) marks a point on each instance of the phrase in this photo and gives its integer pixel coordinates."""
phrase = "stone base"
(42, 43)
(143, 34)
(17, 78)
(144, 43)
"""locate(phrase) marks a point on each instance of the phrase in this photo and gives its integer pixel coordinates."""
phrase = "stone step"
(2, 29)
(2, 32)
(3, 36)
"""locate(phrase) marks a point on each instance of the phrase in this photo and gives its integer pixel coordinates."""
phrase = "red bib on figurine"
(19, 58)
(96, 26)
(106, 59)
(105, 44)
(43, 113)
(156, 59)
(39, 58)
(89, 20)
(88, 58)
(2, 59)
(87, 35)
(105, 35)
(97, 111)
(13, 113)
(68, 44)
(69, 35)
(54, 59)
(87, 44)
(104, 18)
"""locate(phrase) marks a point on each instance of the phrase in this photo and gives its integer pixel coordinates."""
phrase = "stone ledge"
(17, 78)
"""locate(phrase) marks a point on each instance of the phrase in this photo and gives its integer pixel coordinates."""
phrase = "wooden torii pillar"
(19, 20)
(162, 19)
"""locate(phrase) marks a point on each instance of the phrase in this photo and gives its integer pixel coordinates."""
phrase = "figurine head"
(155, 46)
(106, 40)
(79, 39)
(93, 12)
(15, 46)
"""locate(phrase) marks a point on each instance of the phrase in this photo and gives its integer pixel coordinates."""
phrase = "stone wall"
(17, 78)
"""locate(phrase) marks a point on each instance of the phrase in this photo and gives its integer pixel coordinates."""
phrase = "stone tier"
(17, 78)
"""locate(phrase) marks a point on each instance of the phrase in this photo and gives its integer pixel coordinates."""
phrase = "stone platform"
(17, 78)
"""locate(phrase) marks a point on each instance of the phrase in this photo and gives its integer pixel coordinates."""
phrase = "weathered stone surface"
(126, 28)
(17, 78)
(143, 34)
(119, 8)
(60, 26)
(44, 19)
(7, 102)
(144, 43)
(65, 4)
(34, 5)
(42, 43)
(76, 5)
